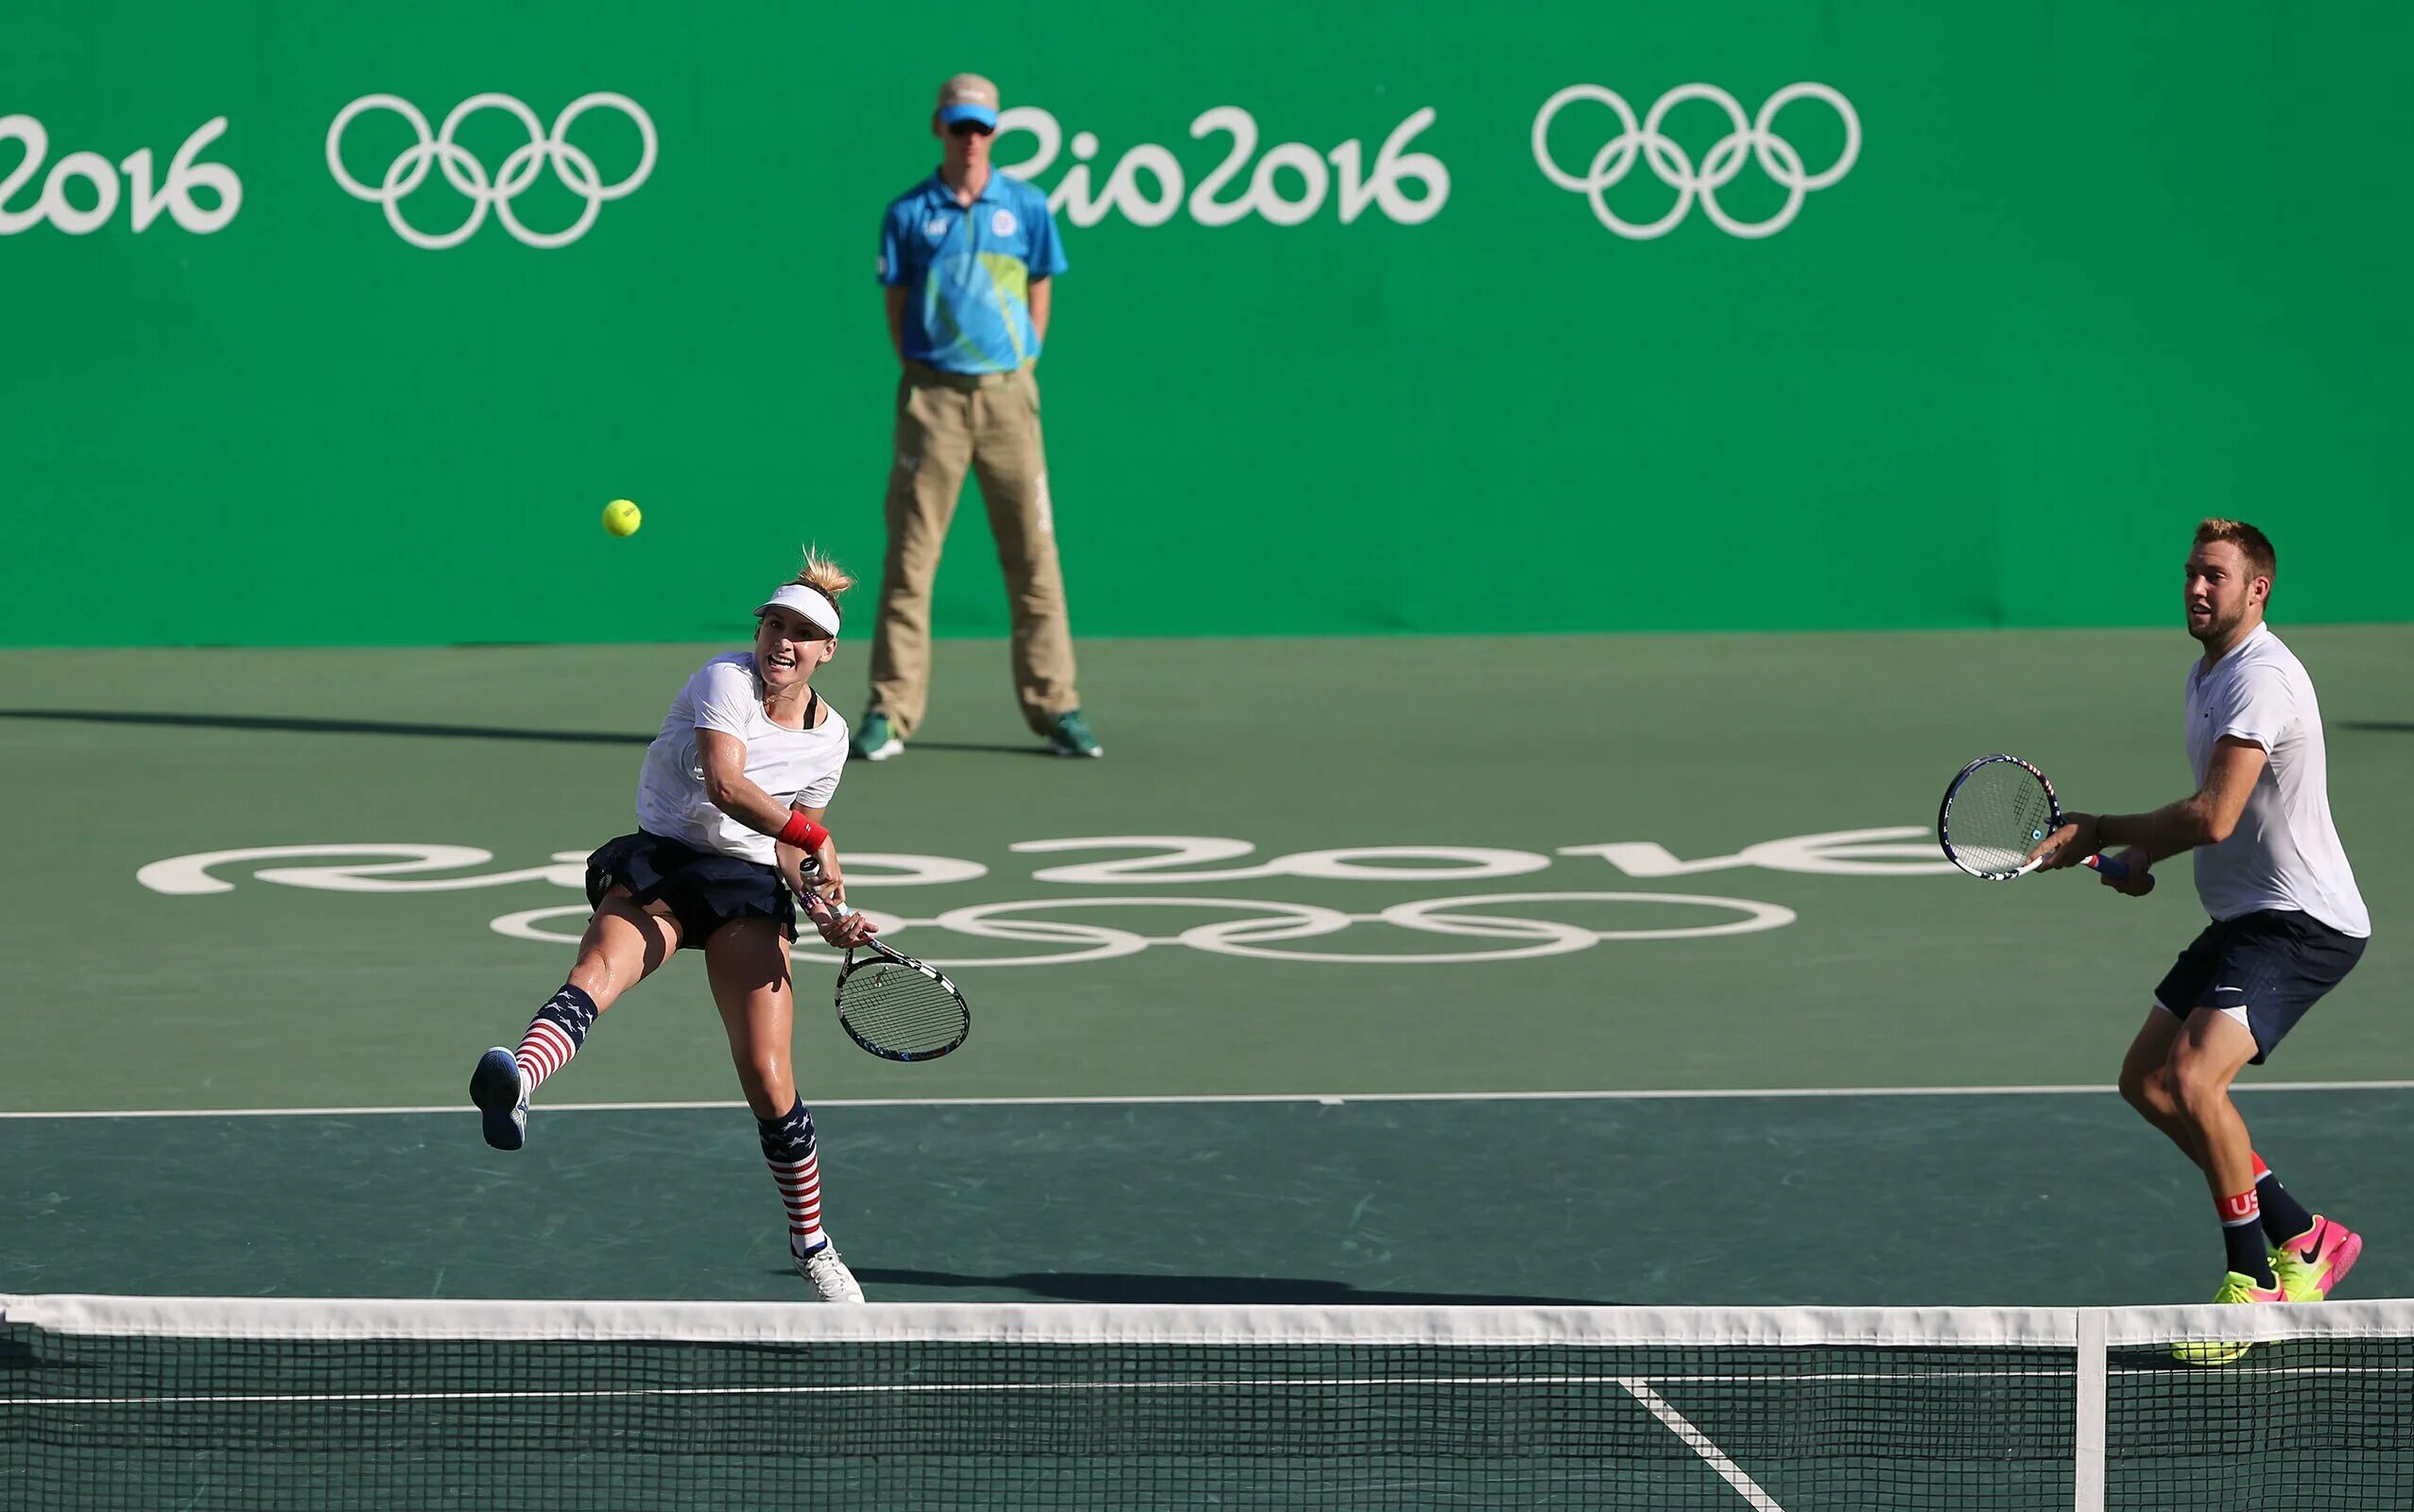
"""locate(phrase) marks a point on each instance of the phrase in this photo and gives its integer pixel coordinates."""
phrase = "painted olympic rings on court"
(1270, 926)
(462, 169)
(1644, 143)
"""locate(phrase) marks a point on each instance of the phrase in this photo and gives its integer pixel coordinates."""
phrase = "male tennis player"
(729, 811)
(2287, 921)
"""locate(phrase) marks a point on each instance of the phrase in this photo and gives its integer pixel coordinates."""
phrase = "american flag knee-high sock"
(789, 1148)
(555, 1034)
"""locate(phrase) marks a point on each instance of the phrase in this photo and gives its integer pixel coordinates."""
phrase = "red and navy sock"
(555, 1034)
(2284, 1219)
(2242, 1235)
(787, 1146)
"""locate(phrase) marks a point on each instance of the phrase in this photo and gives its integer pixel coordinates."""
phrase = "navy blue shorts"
(704, 889)
(2275, 963)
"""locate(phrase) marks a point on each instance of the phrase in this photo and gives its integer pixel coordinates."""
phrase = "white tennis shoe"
(829, 1274)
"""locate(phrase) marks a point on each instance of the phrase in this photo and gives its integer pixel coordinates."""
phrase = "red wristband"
(802, 831)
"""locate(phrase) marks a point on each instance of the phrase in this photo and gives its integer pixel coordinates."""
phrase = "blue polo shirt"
(968, 272)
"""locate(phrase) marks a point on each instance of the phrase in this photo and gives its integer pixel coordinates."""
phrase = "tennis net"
(140, 1402)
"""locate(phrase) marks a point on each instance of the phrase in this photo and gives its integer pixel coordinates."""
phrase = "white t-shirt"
(793, 766)
(2284, 851)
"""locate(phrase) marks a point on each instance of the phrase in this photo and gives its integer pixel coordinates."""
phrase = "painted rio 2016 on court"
(1496, 926)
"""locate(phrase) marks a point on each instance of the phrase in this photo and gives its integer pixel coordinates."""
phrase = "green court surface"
(1336, 872)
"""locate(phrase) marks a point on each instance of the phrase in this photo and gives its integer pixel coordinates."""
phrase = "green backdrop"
(2096, 271)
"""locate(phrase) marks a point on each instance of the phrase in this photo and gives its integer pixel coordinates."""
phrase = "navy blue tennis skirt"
(704, 889)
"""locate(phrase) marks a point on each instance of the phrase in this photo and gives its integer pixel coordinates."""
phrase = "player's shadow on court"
(976, 748)
(289, 724)
(1121, 1286)
(333, 726)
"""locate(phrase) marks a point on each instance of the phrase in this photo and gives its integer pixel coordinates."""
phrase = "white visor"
(813, 604)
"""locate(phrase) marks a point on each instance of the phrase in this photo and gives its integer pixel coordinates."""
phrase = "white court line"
(1632, 1385)
(1329, 1099)
(1695, 1440)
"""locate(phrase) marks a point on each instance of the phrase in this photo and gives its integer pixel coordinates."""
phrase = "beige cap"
(968, 97)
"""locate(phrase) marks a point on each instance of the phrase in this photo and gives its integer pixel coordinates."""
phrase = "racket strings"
(901, 1009)
(1997, 816)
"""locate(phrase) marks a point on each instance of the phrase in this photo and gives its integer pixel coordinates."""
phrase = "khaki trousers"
(990, 423)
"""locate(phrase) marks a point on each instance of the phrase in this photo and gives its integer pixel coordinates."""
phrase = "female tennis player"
(729, 809)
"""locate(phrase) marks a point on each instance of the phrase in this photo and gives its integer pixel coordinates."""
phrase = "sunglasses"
(968, 128)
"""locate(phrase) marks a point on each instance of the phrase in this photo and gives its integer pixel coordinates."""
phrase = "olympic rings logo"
(1070, 930)
(1267, 933)
(1749, 139)
(464, 172)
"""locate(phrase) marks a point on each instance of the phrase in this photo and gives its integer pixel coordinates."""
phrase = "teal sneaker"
(1069, 734)
(875, 739)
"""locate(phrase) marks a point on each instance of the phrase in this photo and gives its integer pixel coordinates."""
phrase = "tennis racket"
(1998, 810)
(895, 1007)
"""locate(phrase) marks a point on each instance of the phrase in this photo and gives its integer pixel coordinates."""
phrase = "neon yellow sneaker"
(2330, 1251)
(2234, 1288)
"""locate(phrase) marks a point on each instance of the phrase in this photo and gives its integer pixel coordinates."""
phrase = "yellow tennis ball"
(622, 518)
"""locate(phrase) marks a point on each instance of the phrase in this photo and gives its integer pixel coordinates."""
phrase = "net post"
(2087, 1446)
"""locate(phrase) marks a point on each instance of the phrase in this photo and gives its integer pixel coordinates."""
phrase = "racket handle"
(841, 911)
(2112, 866)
